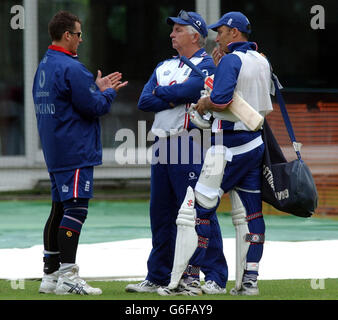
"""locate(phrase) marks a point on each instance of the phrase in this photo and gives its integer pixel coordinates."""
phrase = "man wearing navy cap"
(229, 24)
(235, 165)
(172, 87)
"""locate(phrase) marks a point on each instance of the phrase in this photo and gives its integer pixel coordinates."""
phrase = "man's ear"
(196, 37)
(235, 33)
(66, 36)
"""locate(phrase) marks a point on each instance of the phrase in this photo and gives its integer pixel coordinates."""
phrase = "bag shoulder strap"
(296, 145)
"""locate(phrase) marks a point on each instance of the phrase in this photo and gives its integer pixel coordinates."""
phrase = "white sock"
(66, 267)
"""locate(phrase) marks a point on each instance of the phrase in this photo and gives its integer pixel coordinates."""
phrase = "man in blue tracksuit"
(168, 93)
(68, 103)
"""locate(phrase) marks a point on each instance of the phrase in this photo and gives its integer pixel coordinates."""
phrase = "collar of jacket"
(199, 53)
(61, 49)
(242, 46)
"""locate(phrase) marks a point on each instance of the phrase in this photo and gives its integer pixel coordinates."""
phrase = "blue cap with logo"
(233, 19)
(192, 19)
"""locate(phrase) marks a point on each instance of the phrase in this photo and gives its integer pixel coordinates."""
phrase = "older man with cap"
(172, 87)
(235, 164)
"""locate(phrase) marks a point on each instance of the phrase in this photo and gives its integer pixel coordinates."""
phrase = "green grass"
(114, 290)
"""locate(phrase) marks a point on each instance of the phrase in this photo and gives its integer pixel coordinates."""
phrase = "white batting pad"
(186, 238)
(209, 182)
(238, 214)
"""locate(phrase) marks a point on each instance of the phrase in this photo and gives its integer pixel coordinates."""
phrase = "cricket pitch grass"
(302, 289)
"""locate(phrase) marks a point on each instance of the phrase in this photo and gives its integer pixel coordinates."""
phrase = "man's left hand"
(203, 105)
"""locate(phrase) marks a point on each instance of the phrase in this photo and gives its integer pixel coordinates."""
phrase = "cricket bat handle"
(239, 107)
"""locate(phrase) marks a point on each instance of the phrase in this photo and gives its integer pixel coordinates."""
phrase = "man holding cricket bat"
(234, 164)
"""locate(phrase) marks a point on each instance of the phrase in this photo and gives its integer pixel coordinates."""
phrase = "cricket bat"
(238, 107)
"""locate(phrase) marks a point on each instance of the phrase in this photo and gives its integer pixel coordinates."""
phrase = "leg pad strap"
(255, 238)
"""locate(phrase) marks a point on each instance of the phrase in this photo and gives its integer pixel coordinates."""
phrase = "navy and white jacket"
(67, 106)
(246, 72)
(174, 82)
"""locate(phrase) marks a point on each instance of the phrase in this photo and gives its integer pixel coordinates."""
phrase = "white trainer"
(144, 286)
(69, 282)
(186, 287)
(211, 287)
(48, 282)
(249, 288)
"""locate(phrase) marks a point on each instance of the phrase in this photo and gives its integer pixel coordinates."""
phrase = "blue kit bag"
(287, 186)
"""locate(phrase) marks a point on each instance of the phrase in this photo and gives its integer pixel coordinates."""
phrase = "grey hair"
(201, 41)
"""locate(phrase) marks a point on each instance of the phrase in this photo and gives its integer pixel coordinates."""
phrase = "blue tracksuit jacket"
(67, 106)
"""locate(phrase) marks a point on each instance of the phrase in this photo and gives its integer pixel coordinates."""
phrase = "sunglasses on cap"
(186, 17)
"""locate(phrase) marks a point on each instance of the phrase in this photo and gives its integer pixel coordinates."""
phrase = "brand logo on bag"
(267, 174)
(281, 195)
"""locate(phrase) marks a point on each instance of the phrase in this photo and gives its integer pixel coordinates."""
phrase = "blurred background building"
(132, 36)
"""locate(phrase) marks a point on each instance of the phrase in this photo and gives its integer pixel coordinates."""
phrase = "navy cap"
(192, 19)
(233, 19)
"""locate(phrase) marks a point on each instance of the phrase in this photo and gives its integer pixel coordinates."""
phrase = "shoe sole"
(184, 293)
(78, 294)
(46, 291)
(138, 289)
(62, 292)
(213, 292)
(234, 292)
(141, 291)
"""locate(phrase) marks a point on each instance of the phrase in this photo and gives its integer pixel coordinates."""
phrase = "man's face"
(224, 37)
(180, 37)
(75, 39)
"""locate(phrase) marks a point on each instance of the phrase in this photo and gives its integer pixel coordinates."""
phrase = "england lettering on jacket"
(44, 108)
